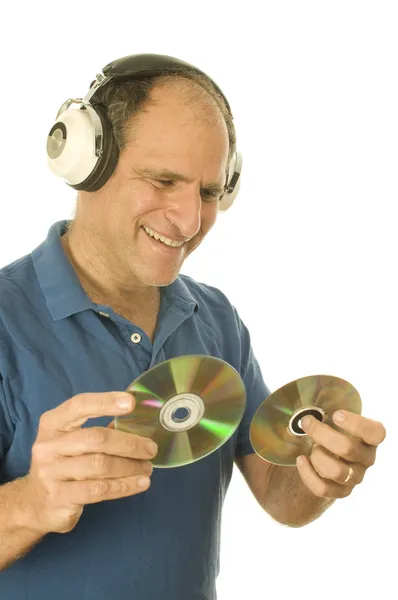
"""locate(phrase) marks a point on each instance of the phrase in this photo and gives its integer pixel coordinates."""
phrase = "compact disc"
(275, 431)
(189, 405)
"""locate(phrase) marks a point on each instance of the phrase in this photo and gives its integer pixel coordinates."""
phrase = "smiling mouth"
(161, 238)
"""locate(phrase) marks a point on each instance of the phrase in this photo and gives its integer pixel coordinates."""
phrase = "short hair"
(124, 99)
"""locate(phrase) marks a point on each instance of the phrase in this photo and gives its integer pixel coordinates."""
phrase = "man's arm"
(17, 531)
(280, 491)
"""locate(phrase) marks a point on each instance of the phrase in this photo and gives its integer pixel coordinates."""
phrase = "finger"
(330, 467)
(105, 440)
(320, 487)
(98, 466)
(98, 490)
(340, 444)
(74, 412)
(369, 431)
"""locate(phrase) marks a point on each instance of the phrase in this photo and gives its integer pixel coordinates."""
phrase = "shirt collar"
(61, 286)
(58, 280)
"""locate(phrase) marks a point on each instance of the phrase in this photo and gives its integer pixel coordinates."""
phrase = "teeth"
(163, 239)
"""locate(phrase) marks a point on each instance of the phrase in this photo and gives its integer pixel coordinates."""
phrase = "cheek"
(208, 216)
(138, 200)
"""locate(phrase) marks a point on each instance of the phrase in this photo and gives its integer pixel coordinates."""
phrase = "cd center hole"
(295, 424)
(181, 414)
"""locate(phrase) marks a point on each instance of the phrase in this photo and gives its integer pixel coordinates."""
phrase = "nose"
(184, 211)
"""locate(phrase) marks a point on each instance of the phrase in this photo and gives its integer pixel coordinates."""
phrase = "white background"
(307, 253)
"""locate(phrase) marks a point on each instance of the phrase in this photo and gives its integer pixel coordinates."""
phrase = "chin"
(158, 279)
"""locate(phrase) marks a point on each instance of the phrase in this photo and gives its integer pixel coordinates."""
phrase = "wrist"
(289, 501)
(25, 509)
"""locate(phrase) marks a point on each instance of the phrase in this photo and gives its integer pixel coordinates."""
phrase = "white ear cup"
(71, 146)
(234, 171)
(228, 199)
(81, 147)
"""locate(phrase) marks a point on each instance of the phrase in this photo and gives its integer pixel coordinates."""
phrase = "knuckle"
(99, 489)
(81, 399)
(42, 473)
(372, 460)
(319, 466)
(133, 444)
(55, 490)
(380, 434)
(322, 462)
(52, 490)
(348, 449)
(360, 476)
(334, 473)
(148, 468)
(104, 401)
(99, 462)
(316, 452)
(77, 402)
(123, 487)
(69, 523)
(96, 436)
(143, 467)
(39, 451)
(43, 419)
(322, 490)
(340, 472)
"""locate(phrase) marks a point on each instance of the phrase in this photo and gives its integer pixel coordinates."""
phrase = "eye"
(166, 182)
(210, 196)
(207, 195)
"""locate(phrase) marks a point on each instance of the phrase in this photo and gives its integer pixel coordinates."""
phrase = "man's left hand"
(338, 462)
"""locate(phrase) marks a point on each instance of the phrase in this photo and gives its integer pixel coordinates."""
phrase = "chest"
(88, 353)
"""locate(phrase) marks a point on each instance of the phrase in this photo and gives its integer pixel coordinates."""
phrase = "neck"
(102, 283)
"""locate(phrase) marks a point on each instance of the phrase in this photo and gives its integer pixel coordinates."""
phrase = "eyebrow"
(159, 173)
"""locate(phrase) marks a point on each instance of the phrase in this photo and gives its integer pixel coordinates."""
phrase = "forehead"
(178, 117)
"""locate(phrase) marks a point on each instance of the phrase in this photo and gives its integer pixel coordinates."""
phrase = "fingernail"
(124, 402)
(305, 422)
(338, 416)
(152, 448)
(143, 482)
(299, 461)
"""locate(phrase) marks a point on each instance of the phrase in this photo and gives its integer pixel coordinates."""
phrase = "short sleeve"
(256, 390)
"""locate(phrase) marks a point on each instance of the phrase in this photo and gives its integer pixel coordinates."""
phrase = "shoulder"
(15, 285)
(208, 297)
(217, 320)
(15, 275)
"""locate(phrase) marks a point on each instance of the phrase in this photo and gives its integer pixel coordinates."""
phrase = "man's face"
(141, 198)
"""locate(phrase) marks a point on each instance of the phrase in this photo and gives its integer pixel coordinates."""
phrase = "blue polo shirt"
(55, 342)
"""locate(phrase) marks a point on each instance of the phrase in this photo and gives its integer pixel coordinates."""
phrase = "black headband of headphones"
(73, 161)
(141, 66)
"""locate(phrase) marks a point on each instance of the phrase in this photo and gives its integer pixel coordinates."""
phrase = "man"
(82, 513)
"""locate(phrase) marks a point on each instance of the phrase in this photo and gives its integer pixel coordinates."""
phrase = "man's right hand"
(72, 466)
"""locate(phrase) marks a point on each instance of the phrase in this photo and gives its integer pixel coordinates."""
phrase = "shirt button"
(136, 338)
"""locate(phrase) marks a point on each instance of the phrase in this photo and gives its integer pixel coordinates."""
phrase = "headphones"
(81, 147)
